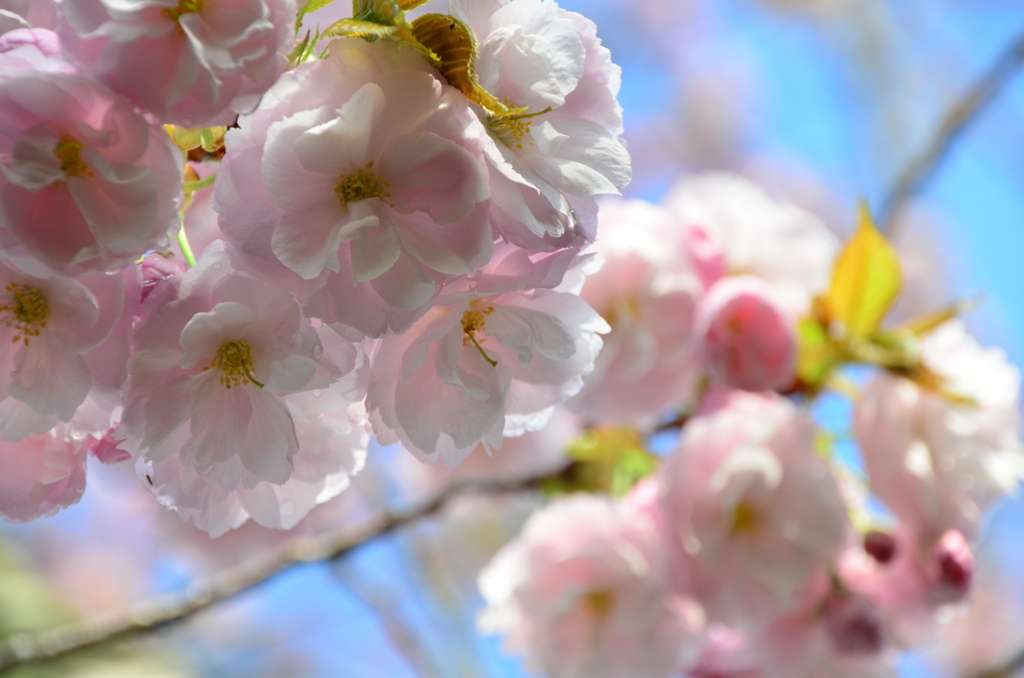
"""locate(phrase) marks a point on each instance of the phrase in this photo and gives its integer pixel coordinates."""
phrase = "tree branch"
(164, 611)
(956, 119)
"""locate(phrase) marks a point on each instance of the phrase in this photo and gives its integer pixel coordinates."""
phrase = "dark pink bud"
(951, 568)
(854, 625)
(880, 545)
(747, 341)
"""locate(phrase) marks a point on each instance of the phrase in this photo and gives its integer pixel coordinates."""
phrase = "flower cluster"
(753, 551)
(391, 245)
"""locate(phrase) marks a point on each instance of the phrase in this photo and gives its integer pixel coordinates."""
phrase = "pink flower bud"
(706, 252)
(163, 273)
(746, 339)
(880, 545)
(854, 625)
(951, 568)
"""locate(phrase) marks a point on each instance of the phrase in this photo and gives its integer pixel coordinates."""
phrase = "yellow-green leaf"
(924, 324)
(866, 279)
(384, 12)
(356, 28)
(411, 4)
(212, 138)
(818, 355)
(456, 49)
(185, 138)
(308, 8)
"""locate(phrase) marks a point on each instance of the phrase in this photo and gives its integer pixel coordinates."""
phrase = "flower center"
(744, 519)
(511, 129)
(27, 311)
(234, 360)
(473, 321)
(67, 150)
(184, 7)
(599, 603)
(362, 184)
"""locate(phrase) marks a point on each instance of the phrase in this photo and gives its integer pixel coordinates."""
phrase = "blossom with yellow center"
(27, 311)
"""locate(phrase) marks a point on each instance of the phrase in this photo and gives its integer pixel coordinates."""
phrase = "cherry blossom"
(647, 289)
(59, 341)
(85, 182)
(584, 591)
(757, 514)
(937, 462)
(42, 475)
(479, 367)
(188, 62)
(210, 374)
(763, 235)
(370, 187)
(547, 165)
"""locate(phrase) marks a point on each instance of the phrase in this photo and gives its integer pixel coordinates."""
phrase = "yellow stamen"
(27, 311)
(511, 129)
(361, 185)
(184, 7)
(66, 150)
(745, 518)
(472, 322)
(234, 360)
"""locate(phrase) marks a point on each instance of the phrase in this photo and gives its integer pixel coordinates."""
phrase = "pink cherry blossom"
(763, 235)
(190, 62)
(584, 591)
(925, 576)
(479, 367)
(647, 289)
(85, 182)
(757, 514)
(546, 168)
(60, 339)
(333, 435)
(745, 338)
(42, 475)
(936, 463)
(211, 372)
(371, 189)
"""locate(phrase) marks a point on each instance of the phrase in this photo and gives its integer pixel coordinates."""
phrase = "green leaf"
(384, 12)
(310, 7)
(866, 280)
(818, 354)
(185, 138)
(610, 460)
(212, 138)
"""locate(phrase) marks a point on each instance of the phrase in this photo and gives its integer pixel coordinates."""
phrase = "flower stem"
(186, 249)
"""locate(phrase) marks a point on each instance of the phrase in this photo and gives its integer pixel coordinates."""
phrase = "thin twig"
(164, 611)
(963, 111)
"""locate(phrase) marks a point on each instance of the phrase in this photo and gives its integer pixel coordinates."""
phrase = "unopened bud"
(746, 340)
(161, 271)
(880, 545)
(854, 625)
(951, 568)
